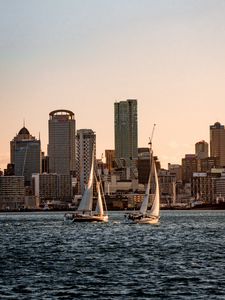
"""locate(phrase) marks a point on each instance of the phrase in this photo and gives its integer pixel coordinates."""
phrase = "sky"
(84, 55)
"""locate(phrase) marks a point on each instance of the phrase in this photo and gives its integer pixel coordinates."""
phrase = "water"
(182, 258)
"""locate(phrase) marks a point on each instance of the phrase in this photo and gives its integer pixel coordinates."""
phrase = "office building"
(201, 150)
(49, 187)
(126, 135)
(12, 192)
(61, 147)
(25, 154)
(208, 163)
(85, 143)
(189, 166)
(217, 142)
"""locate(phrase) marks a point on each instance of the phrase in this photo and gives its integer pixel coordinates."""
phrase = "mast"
(144, 205)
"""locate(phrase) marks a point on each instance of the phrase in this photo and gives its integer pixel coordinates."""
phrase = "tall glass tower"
(61, 147)
(126, 137)
(25, 155)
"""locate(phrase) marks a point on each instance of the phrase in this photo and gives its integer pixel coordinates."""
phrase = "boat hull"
(148, 221)
(142, 220)
(90, 219)
(74, 218)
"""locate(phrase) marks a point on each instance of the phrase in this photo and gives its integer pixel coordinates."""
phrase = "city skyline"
(85, 55)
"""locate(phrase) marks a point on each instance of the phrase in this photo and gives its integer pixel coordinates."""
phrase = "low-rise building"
(12, 192)
(52, 186)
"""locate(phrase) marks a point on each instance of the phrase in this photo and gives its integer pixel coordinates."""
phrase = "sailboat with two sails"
(85, 212)
(143, 216)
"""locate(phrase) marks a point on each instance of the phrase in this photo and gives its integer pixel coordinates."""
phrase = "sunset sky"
(83, 55)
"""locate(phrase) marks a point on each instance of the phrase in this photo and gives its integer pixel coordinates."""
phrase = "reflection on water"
(181, 258)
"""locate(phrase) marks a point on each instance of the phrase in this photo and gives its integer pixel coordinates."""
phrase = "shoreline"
(197, 207)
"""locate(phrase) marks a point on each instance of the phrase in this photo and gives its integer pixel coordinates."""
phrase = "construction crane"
(150, 139)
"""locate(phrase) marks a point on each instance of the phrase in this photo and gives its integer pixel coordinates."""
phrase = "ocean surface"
(181, 258)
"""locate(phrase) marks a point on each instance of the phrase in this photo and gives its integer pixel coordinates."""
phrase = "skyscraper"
(201, 150)
(85, 142)
(217, 142)
(25, 152)
(61, 147)
(126, 136)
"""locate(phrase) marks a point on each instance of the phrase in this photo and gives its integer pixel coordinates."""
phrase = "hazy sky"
(83, 55)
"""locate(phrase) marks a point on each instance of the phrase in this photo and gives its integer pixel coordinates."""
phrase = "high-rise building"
(61, 147)
(85, 143)
(25, 151)
(201, 150)
(217, 142)
(126, 135)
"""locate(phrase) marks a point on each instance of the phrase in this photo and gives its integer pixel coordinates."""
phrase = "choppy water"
(182, 258)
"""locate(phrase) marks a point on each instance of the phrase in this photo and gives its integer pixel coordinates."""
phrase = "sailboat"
(143, 216)
(85, 211)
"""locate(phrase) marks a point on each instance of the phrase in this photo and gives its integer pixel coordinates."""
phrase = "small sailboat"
(143, 216)
(85, 211)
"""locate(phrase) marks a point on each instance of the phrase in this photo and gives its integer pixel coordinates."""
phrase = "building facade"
(61, 147)
(25, 152)
(143, 165)
(110, 160)
(217, 142)
(12, 192)
(189, 166)
(207, 187)
(85, 143)
(126, 134)
(208, 163)
(201, 150)
(48, 187)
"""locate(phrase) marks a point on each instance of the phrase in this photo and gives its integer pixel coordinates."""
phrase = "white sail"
(99, 206)
(144, 205)
(87, 199)
(156, 203)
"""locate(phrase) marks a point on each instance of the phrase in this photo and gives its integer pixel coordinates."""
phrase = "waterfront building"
(201, 150)
(217, 142)
(126, 135)
(61, 147)
(166, 184)
(25, 154)
(207, 187)
(52, 186)
(85, 143)
(12, 192)
(116, 186)
(220, 189)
